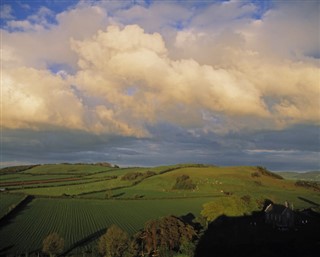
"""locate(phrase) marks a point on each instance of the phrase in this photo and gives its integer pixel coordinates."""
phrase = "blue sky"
(161, 82)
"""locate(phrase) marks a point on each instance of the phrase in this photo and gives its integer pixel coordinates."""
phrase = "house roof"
(276, 209)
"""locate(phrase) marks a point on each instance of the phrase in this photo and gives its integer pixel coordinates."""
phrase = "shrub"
(131, 176)
(246, 199)
(170, 232)
(230, 206)
(184, 182)
(308, 184)
(114, 243)
(263, 171)
(53, 244)
(150, 173)
(255, 174)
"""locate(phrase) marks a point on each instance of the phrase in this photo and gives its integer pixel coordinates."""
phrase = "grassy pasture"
(310, 175)
(76, 188)
(29, 177)
(216, 181)
(78, 169)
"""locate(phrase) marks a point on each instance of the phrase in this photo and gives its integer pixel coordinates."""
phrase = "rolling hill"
(309, 175)
(81, 200)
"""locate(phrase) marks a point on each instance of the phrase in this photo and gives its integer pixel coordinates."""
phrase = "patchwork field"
(81, 201)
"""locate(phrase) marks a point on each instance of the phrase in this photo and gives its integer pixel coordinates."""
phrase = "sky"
(145, 83)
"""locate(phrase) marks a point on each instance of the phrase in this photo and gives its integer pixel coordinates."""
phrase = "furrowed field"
(81, 201)
(78, 220)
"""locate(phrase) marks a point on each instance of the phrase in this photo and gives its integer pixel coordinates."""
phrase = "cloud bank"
(121, 69)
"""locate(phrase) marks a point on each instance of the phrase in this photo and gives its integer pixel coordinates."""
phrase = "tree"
(184, 182)
(109, 193)
(187, 247)
(53, 244)
(229, 206)
(166, 234)
(114, 243)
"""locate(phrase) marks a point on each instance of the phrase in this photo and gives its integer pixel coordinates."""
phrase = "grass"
(79, 169)
(75, 189)
(28, 177)
(8, 202)
(310, 175)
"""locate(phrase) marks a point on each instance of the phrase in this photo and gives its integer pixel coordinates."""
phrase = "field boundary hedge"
(81, 182)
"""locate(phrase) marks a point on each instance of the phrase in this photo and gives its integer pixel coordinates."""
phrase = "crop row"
(76, 219)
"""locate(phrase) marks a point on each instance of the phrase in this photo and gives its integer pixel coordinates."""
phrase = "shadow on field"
(118, 195)
(251, 236)
(308, 201)
(2, 250)
(85, 240)
(10, 216)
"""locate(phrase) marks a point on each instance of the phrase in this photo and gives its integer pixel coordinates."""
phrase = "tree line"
(164, 237)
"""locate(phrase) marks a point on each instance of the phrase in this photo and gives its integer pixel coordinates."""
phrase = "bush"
(308, 184)
(150, 173)
(255, 174)
(170, 232)
(230, 206)
(136, 175)
(184, 182)
(187, 248)
(263, 171)
(114, 243)
(53, 244)
(131, 176)
(246, 199)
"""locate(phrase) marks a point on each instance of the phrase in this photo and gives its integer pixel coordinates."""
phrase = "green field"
(310, 175)
(8, 202)
(77, 219)
(78, 169)
(95, 197)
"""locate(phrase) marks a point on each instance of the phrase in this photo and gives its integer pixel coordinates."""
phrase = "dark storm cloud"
(294, 149)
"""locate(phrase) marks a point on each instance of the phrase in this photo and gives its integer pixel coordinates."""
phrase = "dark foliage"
(246, 198)
(131, 176)
(263, 171)
(114, 243)
(136, 175)
(104, 164)
(184, 182)
(163, 237)
(255, 174)
(53, 244)
(15, 169)
(308, 184)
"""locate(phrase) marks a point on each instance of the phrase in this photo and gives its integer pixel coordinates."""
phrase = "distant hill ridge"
(309, 175)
